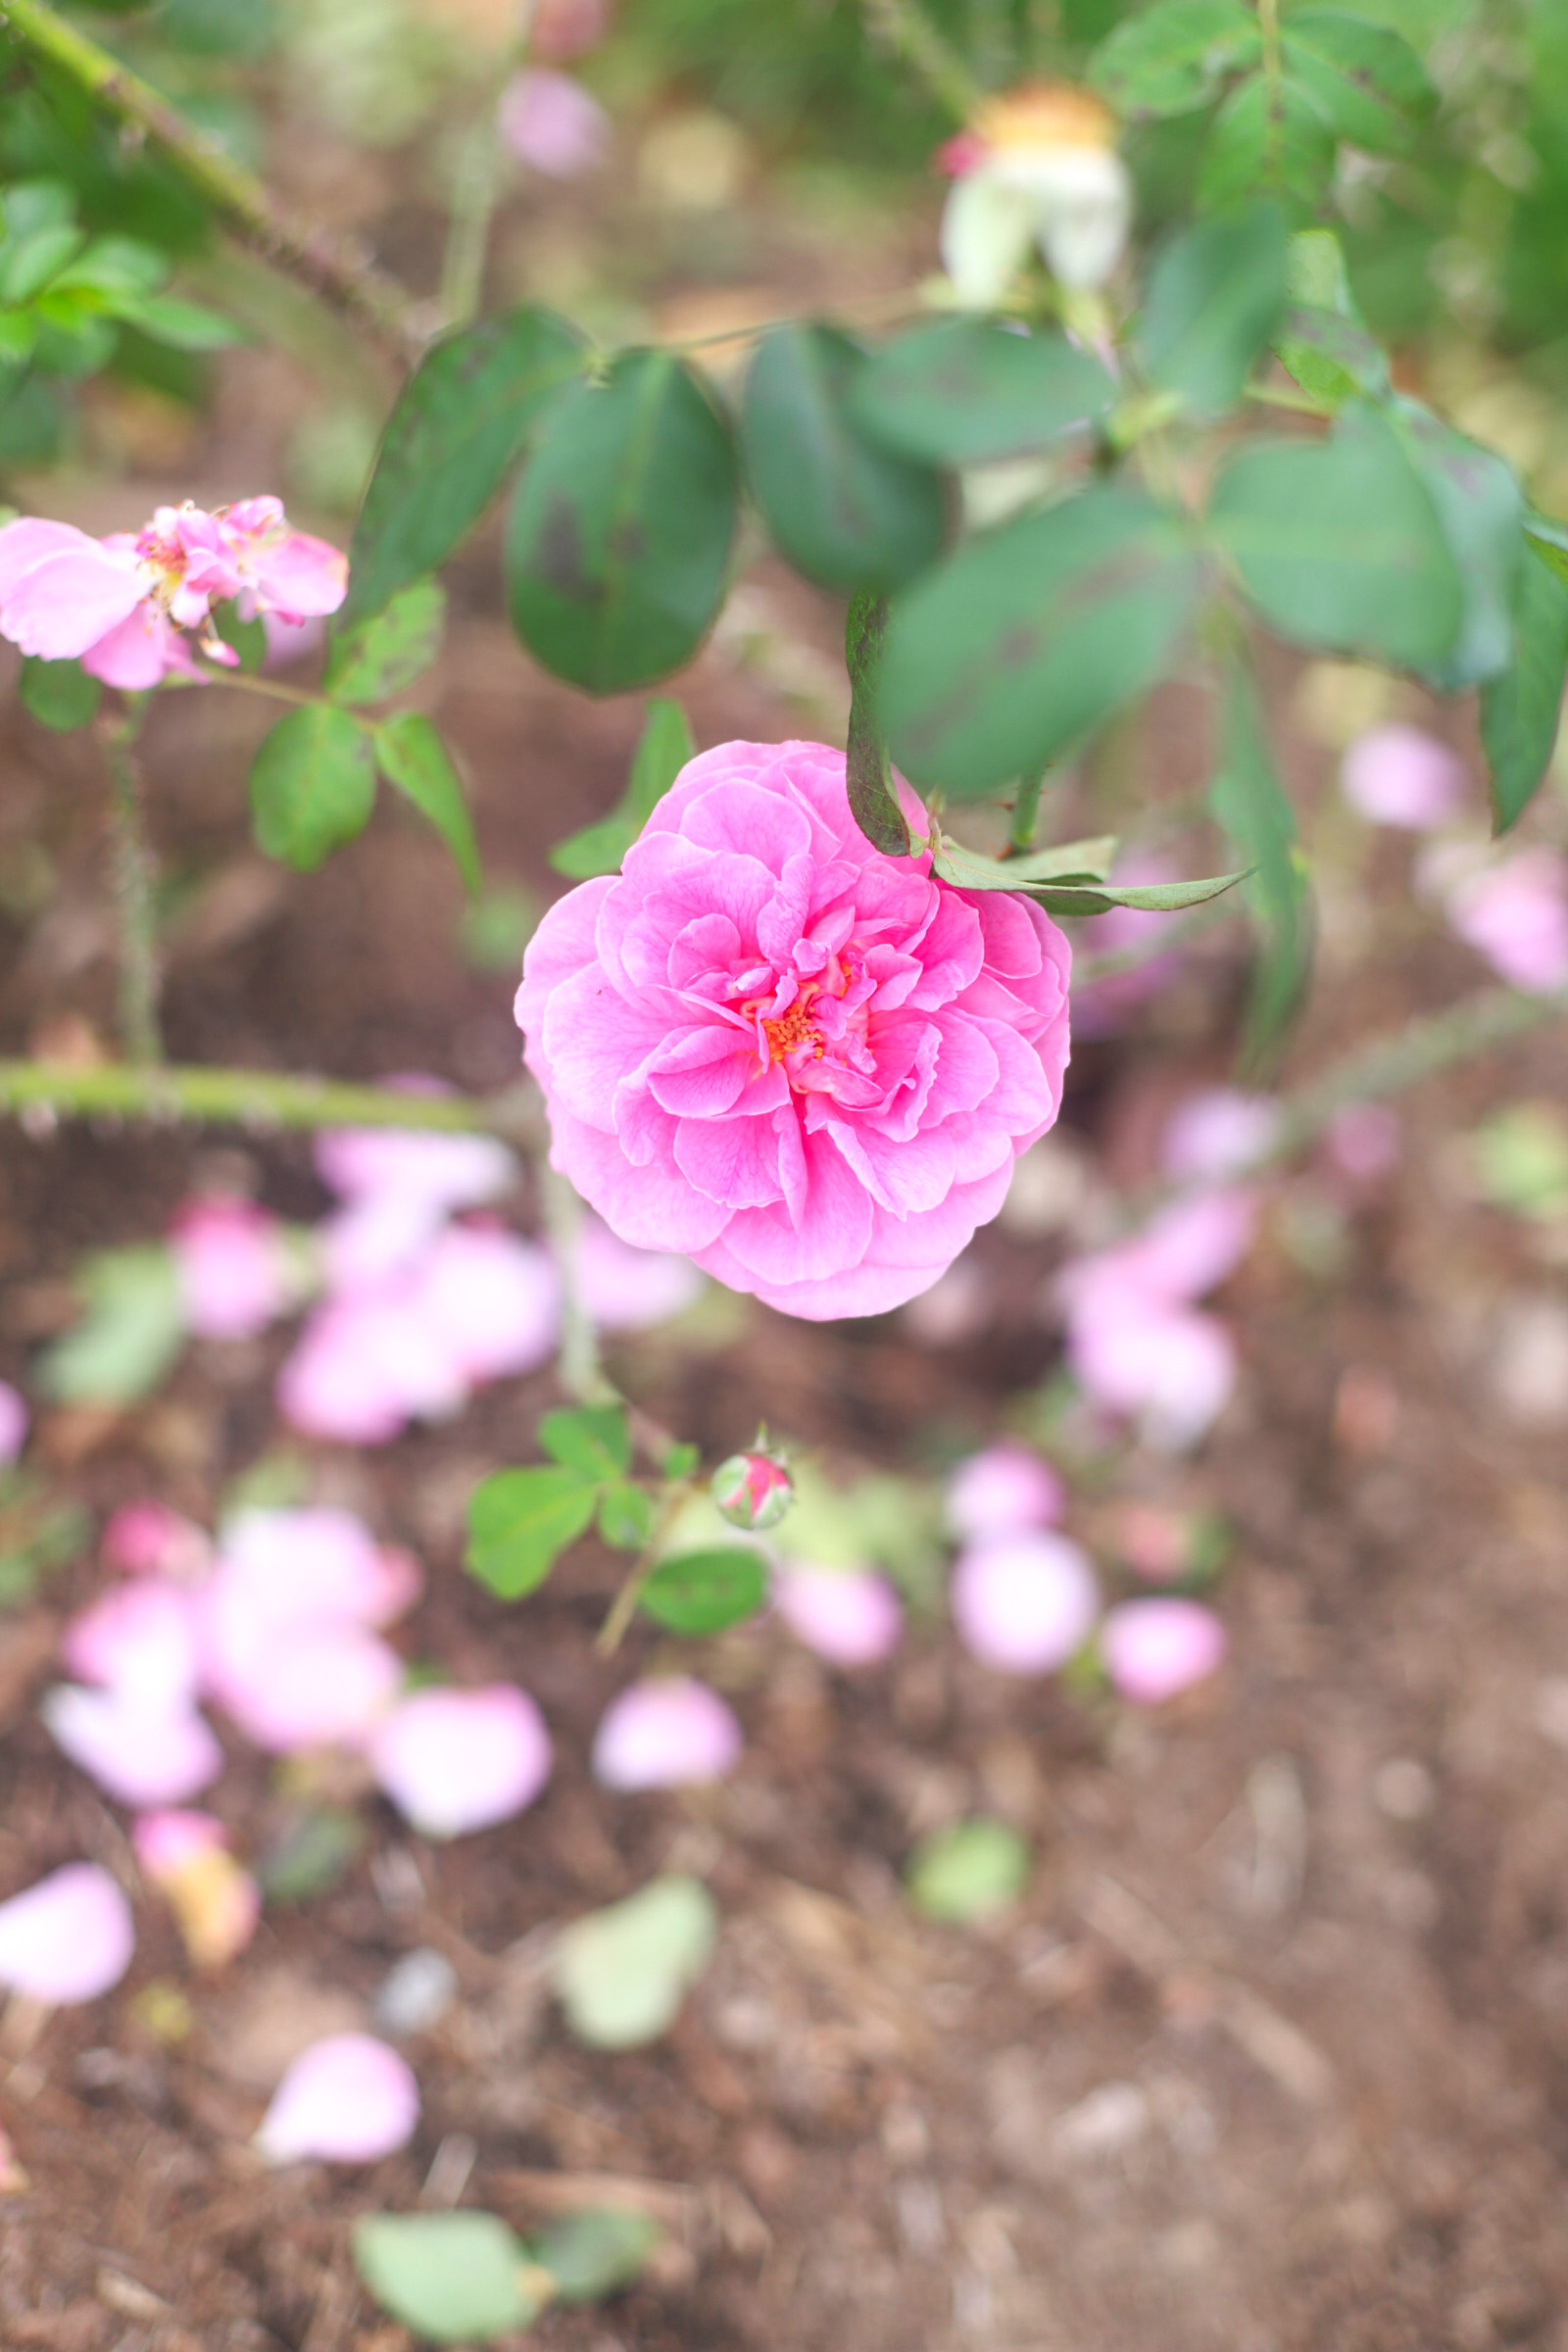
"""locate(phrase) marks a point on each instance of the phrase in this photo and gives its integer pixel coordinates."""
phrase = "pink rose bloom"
(1402, 776)
(443, 1171)
(488, 1302)
(68, 1938)
(233, 1268)
(1516, 916)
(804, 1063)
(1154, 1648)
(549, 123)
(13, 1420)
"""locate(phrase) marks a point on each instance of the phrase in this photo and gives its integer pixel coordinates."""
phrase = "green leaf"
(626, 1516)
(1550, 540)
(1152, 898)
(1215, 294)
(867, 769)
(1266, 141)
(681, 1460)
(1520, 710)
(1248, 802)
(591, 1438)
(1339, 545)
(591, 2255)
(27, 264)
(186, 325)
(965, 868)
(311, 1853)
(1316, 276)
(459, 424)
(391, 648)
(1331, 357)
(247, 637)
(1521, 1160)
(1481, 508)
(411, 755)
(622, 1973)
(662, 750)
(968, 1872)
(519, 1521)
(1365, 79)
(1170, 59)
(312, 785)
(703, 1591)
(33, 204)
(617, 542)
(453, 2277)
(129, 1337)
(117, 265)
(59, 694)
(845, 511)
(968, 391)
(1030, 637)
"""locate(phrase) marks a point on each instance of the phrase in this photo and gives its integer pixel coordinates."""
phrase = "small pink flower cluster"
(124, 605)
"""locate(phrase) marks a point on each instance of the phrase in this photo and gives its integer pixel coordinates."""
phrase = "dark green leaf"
(626, 1516)
(662, 751)
(868, 771)
(703, 1591)
(845, 511)
(391, 650)
(1267, 140)
(459, 424)
(1215, 293)
(312, 785)
(591, 1438)
(1331, 357)
(411, 755)
(1481, 508)
(1339, 544)
(59, 694)
(1365, 80)
(129, 1335)
(968, 1872)
(967, 869)
(186, 325)
(591, 2255)
(453, 2277)
(247, 637)
(1248, 802)
(1027, 639)
(968, 391)
(519, 1521)
(1152, 898)
(617, 542)
(1521, 708)
(1170, 58)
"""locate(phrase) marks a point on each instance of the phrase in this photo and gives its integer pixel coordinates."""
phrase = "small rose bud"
(752, 1491)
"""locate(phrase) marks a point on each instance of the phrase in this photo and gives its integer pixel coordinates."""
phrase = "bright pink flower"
(139, 1637)
(216, 1903)
(1023, 1603)
(804, 1063)
(1003, 1487)
(549, 123)
(231, 1258)
(144, 1750)
(752, 1491)
(630, 1290)
(1217, 1132)
(1516, 916)
(1402, 776)
(148, 1539)
(349, 2099)
(460, 1760)
(13, 1420)
(1154, 1648)
(663, 1734)
(68, 1938)
(846, 1615)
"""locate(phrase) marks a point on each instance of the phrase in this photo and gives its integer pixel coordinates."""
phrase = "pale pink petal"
(629, 1290)
(489, 1302)
(216, 1904)
(1171, 1367)
(308, 1684)
(553, 124)
(66, 1940)
(1154, 1649)
(291, 641)
(139, 653)
(1024, 1602)
(144, 1751)
(1217, 1134)
(376, 1238)
(348, 2099)
(1399, 775)
(140, 1639)
(232, 1261)
(299, 577)
(1003, 1488)
(1516, 916)
(460, 1760)
(1363, 1141)
(664, 1733)
(315, 1563)
(14, 1422)
(847, 1616)
(60, 591)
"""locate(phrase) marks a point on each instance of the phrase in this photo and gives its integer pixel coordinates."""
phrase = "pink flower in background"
(549, 123)
(846, 1615)
(348, 2099)
(663, 1734)
(1003, 1487)
(799, 1061)
(1135, 1341)
(488, 1302)
(1154, 1649)
(461, 1760)
(630, 1290)
(139, 1637)
(1516, 916)
(216, 1904)
(443, 1171)
(1402, 776)
(66, 1940)
(13, 1423)
(1217, 1132)
(1024, 1601)
(232, 1262)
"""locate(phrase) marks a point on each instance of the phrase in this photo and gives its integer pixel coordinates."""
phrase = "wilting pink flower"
(144, 1750)
(802, 1063)
(1402, 776)
(139, 1637)
(459, 1760)
(1217, 1132)
(1154, 1648)
(1516, 916)
(1023, 1603)
(232, 1263)
(999, 1489)
(846, 1615)
(549, 123)
(148, 1539)
(630, 1290)
(348, 2099)
(663, 1734)
(14, 1419)
(68, 1938)
(752, 1489)
(216, 1903)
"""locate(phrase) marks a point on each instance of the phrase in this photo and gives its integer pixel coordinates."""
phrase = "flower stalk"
(139, 976)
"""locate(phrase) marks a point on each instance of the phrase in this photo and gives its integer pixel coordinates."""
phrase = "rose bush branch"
(258, 1101)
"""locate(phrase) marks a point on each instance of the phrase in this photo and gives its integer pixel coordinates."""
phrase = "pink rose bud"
(752, 1491)
(1001, 1488)
(1024, 1602)
(1401, 776)
(549, 123)
(148, 1539)
(232, 1261)
(461, 1760)
(14, 1419)
(846, 1615)
(348, 2099)
(216, 1903)
(1154, 1649)
(143, 1750)
(664, 1735)
(69, 1939)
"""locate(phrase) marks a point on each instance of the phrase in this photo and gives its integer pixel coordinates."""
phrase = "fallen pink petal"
(489, 1302)
(1171, 1369)
(347, 2099)
(66, 1940)
(216, 1904)
(1002, 1488)
(1397, 775)
(232, 1261)
(140, 1638)
(665, 1734)
(622, 1289)
(849, 1616)
(460, 1760)
(148, 1539)
(1154, 1649)
(15, 1420)
(1516, 916)
(444, 1172)
(1216, 1134)
(143, 1750)
(1024, 1602)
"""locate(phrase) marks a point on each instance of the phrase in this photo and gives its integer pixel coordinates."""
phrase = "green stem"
(476, 190)
(134, 895)
(623, 1607)
(257, 1099)
(1276, 396)
(342, 277)
(1025, 810)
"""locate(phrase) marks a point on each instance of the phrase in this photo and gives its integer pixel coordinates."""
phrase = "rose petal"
(1003, 1488)
(348, 2099)
(849, 1617)
(460, 1760)
(1154, 1649)
(664, 1733)
(1024, 1602)
(66, 1940)
(145, 1751)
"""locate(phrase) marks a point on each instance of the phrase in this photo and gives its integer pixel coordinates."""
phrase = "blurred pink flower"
(363, 1368)
(216, 1903)
(232, 1263)
(448, 1171)
(1154, 1649)
(1400, 775)
(139, 1638)
(1170, 1367)
(488, 1302)
(68, 1938)
(1003, 1487)
(1516, 916)
(349, 2099)
(461, 1760)
(846, 1615)
(1217, 1132)
(622, 1289)
(148, 1539)
(664, 1732)
(13, 1421)
(143, 1749)
(1023, 1602)
(550, 123)
(291, 641)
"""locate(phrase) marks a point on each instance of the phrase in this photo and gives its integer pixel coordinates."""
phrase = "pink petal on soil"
(1154, 1648)
(1401, 776)
(460, 1760)
(216, 1903)
(1516, 916)
(1363, 1141)
(1003, 1487)
(69, 1939)
(232, 1261)
(1170, 1366)
(1215, 1134)
(449, 1171)
(489, 1301)
(14, 1422)
(148, 1539)
(348, 2099)
(1024, 1602)
(139, 1638)
(663, 1734)
(847, 1616)
(144, 1751)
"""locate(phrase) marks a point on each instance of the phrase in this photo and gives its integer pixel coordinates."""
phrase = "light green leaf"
(1481, 508)
(1521, 1160)
(703, 1592)
(129, 1337)
(590, 2255)
(520, 1522)
(1316, 276)
(1262, 143)
(1249, 803)
(453, 2277)
(1170, 59)
(968, 1872)
(117, 265)
(1365, 79)
(312, 785)
(1331, 357)
(1550, 540)
(662, 750)
(621, 1974)
(411, 755)
(626, 1516)
(186, 325)
(59, 694)
(968, 391)
(867, 769)
(1215, 296)
(1520, 710)
(382, 654)
(27, 264)
(968, 870)
(590, 1439)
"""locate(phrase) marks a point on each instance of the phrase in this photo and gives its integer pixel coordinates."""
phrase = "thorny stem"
(341, 275)
(42, 1092)
(134, 895)
(623, 1607)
